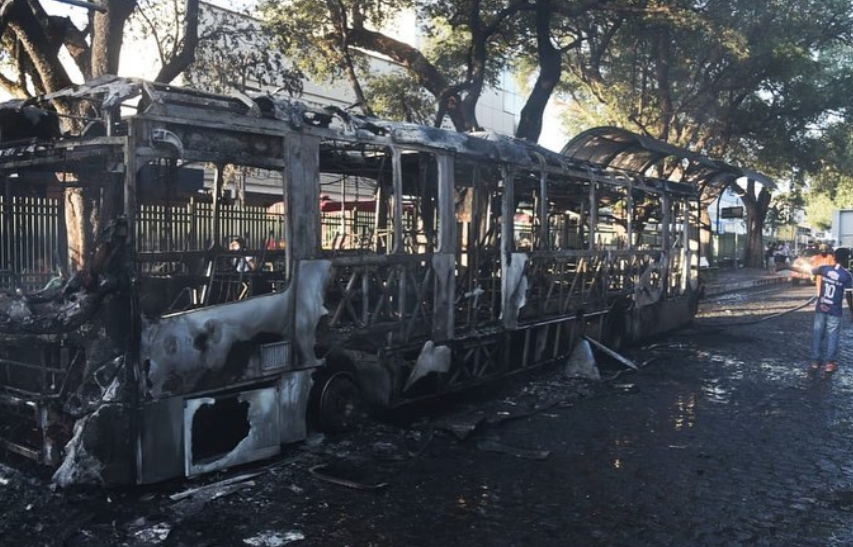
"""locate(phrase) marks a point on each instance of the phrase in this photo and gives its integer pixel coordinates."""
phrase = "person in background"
(786, 252)
(242, 264)
(837, 285)
(779, 257)
(768, 256)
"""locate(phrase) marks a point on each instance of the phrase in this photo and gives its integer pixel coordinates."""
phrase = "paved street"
(721, 439)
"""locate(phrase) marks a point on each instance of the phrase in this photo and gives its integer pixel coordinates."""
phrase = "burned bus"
(188, 280)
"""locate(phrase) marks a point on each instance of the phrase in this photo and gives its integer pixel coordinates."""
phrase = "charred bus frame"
(394, 262)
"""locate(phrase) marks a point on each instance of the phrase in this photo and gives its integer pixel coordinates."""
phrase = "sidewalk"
(737, 279)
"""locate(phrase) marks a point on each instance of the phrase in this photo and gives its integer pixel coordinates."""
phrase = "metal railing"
(32, 233)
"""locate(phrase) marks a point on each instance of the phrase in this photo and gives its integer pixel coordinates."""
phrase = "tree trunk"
(83, 212)
(707, 196)
(756, 212)
(550, 69)
(108, 35)
(754, 244)
(76, 216)
(185, 57)
(476, 63)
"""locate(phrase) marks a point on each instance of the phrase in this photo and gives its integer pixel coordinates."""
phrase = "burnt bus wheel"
(336, 402)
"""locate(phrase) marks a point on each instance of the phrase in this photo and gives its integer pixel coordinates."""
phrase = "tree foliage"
(42, 53)
(214, 48)
(397, 96)
(461, 47)
(830, 174)
(752, 82)
(722, 77)
(230, 49)
(785, 208)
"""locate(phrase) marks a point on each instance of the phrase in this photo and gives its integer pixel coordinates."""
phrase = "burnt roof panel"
(615, 148)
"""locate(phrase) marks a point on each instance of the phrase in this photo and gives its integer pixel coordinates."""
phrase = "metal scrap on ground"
(624, 360)
(213, 486)
(315, 471)
(495, 446)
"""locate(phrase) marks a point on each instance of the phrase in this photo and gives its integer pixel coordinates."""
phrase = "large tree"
(34, 44)
(742, 80)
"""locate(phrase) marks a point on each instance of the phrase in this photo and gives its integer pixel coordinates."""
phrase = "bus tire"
(336, 403)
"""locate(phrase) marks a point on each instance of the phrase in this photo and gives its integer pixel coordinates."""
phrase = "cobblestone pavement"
(721, 439)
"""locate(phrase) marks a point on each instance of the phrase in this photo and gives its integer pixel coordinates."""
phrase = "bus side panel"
(663, 316)
(228, 395)
(160, 454)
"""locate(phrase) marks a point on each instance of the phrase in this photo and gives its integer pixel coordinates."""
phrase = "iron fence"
(189, 227)
(32, 233)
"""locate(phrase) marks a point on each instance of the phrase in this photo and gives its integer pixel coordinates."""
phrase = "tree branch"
(186, 56)
(5, 11)
(550, 69)
(40, 48)
(74, 39)
(14, 88)
(425, 72)
(108, 34)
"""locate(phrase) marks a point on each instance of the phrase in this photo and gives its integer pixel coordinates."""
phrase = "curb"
(715, 290)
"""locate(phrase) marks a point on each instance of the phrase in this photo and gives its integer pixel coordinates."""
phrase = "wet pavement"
(718, 281)
(721, 439)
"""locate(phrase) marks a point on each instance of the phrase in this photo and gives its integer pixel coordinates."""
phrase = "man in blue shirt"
(837, 283)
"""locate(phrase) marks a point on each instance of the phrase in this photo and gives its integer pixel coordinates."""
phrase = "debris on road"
(214, 486)
(316, 472)
(624, 360)
(274, 539)
(581, 363)
(495, 446)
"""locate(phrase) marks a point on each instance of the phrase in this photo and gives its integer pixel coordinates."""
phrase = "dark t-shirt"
(836, 280)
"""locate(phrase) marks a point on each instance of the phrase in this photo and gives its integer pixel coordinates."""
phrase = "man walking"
(836, 284)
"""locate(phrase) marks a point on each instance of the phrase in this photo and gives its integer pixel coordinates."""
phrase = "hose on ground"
(772, 316)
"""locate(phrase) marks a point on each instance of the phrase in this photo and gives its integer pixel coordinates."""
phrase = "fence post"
(6, 213)
(191, 209)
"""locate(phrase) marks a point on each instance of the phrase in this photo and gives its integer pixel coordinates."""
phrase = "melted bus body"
(389, 263)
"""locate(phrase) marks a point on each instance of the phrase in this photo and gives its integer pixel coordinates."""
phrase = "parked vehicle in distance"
(801, 268)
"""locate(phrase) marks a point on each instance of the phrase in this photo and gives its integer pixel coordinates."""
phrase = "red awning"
(328, 205)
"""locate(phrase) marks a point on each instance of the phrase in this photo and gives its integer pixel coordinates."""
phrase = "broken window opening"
(377, 199)
(477, 200)
(379, 214)
(51, 219)
(218, 428)
(208, 234)
(353, 190)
